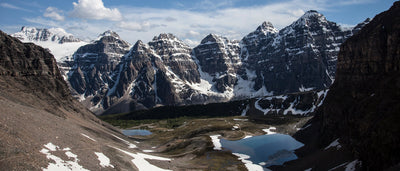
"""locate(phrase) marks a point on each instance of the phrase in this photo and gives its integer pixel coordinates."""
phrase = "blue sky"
(190, 20)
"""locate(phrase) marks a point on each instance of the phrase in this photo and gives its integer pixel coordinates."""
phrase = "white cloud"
(192, 33)
(42, 22)
(94, 9)
(140, 27)
(191, 43)
(140, 23)
(233, 23)
(54, 13)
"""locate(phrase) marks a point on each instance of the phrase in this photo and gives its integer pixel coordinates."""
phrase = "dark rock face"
(362, 106)
(219, 57)
(155, 73)
(28, 62)
(93, 65)
(26, 68)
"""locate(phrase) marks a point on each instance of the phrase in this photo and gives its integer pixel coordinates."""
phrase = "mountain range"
(109, 75)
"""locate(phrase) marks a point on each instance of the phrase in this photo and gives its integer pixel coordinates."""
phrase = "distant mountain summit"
(57, 35)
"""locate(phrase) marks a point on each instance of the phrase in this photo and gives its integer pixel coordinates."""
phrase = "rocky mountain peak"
(166, 44)
(164, 36)
(109, 33)
(211, 38)
(138, 44)
(266, 27)
(138, 47)
(311, 18)
(167, 40)
(361, 25)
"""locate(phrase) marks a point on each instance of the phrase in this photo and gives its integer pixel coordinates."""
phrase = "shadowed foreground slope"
(41, 125)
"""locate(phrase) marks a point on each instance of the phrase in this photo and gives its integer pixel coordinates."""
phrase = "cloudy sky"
(190, 20)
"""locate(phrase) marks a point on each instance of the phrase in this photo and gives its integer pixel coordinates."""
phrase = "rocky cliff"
(361, 110)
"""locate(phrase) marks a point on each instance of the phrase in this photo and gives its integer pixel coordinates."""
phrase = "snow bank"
(104, 160)
(88, 137)
(130, 145)
(61, 164)
(270, 130)
(140, 162)
(249, 165)
(215, 140)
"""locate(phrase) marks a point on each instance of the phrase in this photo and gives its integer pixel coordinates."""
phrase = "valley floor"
(188, 140)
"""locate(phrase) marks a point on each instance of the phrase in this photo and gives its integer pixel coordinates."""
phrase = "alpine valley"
(109, 75)
(310, 96)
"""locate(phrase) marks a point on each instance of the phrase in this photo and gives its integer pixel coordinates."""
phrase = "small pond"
(266, 150)
(130, 132)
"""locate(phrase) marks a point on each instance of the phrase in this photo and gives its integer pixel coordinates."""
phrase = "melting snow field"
(104, 160)
(61, 164)
(216, 142)
(249, 164)
(139, 160)
(130, 145)
(88, 137)
(270, 130)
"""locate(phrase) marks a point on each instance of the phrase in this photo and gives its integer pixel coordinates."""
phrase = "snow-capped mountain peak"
(58, 35)
(310, 18)
(109, 33)
(266, 27)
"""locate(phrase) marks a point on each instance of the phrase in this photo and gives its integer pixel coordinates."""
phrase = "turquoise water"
(272, 149)
(129, 132)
